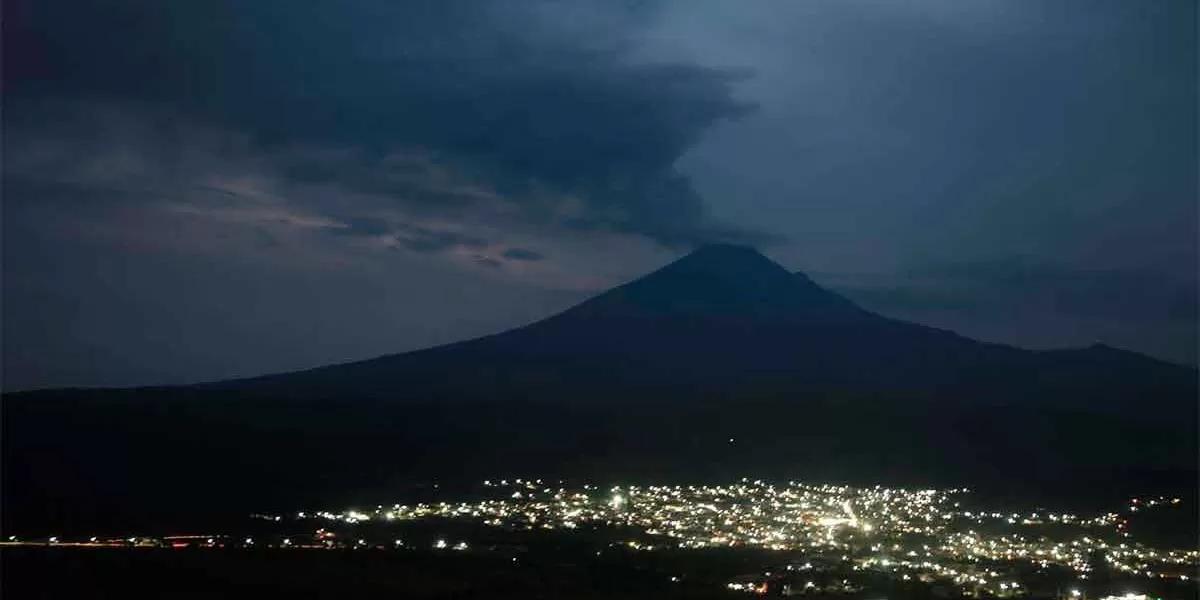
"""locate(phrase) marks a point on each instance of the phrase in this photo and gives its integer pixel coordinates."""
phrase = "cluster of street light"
(925, 535)
(905, 533)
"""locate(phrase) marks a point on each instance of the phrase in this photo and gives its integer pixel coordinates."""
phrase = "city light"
(826, 519)
(907, 535)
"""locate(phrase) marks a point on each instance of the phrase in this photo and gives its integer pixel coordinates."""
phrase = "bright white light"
(1076, 593)
(617, 501)
(440, 544)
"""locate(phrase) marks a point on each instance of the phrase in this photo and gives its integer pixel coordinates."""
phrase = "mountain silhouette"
(650, 379)
(721, 318)
(722, 282)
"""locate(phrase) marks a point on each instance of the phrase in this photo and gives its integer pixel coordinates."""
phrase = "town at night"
(815, 540)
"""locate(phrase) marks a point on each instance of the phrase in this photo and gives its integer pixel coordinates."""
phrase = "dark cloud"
(896, 135)
(937, 130)
(426, 240)
(532, 113)
(367, 227)
(523, 254)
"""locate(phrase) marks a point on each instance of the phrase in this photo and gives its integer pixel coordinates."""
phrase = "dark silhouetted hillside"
(648, 380)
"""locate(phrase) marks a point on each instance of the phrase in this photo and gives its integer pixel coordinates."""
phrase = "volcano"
(723, 318)
(718, 365)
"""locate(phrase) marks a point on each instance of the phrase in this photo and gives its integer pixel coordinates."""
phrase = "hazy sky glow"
(199, 190)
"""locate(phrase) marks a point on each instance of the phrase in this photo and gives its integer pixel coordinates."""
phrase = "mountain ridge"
(736, 277)
(650, 379)
(723, 314)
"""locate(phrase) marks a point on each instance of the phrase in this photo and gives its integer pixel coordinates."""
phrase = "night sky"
(202, 190)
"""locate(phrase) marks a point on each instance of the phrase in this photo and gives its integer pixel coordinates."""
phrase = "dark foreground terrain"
(135, 573)
(276, 573)
(273, 573)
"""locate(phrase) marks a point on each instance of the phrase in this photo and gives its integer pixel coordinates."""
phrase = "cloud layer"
(440, 109)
